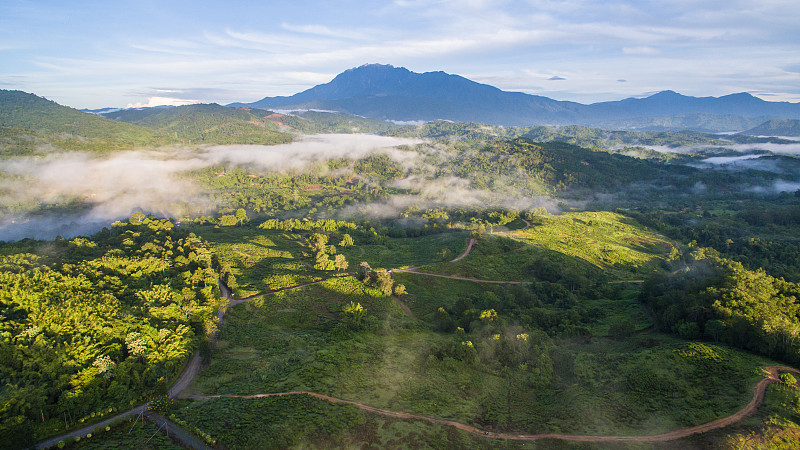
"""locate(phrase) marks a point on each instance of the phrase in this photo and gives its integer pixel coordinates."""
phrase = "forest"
(93, 325)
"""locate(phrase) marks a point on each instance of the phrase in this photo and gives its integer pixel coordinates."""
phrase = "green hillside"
(253, 124)
(333, 122)
(210, 124)
(68, 128)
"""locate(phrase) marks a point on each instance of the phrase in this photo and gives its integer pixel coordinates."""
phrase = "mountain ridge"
(395, 93)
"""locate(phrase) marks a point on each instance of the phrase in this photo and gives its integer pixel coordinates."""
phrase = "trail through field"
(187, 375)
(470, 244)
(476, 280)
(758, 397)
(585, 230)
(236, 300)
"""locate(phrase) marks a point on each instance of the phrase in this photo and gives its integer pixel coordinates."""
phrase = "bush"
(789, 379)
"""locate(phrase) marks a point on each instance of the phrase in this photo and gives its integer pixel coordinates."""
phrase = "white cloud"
(641, 50)
(162, 101)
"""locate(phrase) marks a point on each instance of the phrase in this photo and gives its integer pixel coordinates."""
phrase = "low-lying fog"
(149, 181)
(114, 186)
(792, 149)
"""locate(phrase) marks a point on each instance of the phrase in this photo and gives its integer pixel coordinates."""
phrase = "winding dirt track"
(758, 397)
(235, 301)
(470, 244)
(476, 280)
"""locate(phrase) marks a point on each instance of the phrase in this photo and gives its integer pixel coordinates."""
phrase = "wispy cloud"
(641, 50)
(322, 30)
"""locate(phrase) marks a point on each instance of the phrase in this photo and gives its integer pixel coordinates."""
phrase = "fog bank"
(114, 186)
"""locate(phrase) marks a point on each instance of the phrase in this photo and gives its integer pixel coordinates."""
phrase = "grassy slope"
(643, 384)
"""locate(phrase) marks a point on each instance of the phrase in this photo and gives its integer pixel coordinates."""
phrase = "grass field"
(570, 352)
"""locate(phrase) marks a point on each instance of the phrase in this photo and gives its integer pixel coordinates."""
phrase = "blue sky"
(90, 54)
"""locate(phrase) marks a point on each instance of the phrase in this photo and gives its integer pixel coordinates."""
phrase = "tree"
(136, 345)
(347, 241)
(363, 271)
(137, 217)
(400, 289)
(340, 262)
(488, 315)
(353, 314)
(443, 321)
(715, 329)
(382, 280)
(228, 220)
(323, 262)
(241, 216)
(105, 366)
(787, 378)
(318, 242)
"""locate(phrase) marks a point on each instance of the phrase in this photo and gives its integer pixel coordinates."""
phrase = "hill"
(776, 128)
(208, 124)
(396, 93)
(31, 118)
(212, 123)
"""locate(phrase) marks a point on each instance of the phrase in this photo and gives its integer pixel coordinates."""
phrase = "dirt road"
(236, 300)
(470, 244)
(476, 280)
(187, 375)
(758, 397)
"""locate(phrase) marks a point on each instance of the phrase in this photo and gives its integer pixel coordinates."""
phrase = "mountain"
(776, 128)
(671, 103)
(396, 93)
(703, 122)
(69, 128)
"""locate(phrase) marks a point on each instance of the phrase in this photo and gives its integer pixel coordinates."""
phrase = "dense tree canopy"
(93, 324)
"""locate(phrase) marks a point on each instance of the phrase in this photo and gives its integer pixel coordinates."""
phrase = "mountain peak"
(666, 94)
(376, 66)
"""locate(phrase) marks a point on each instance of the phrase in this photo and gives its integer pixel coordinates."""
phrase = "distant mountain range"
(396, 93)
(790, 128)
